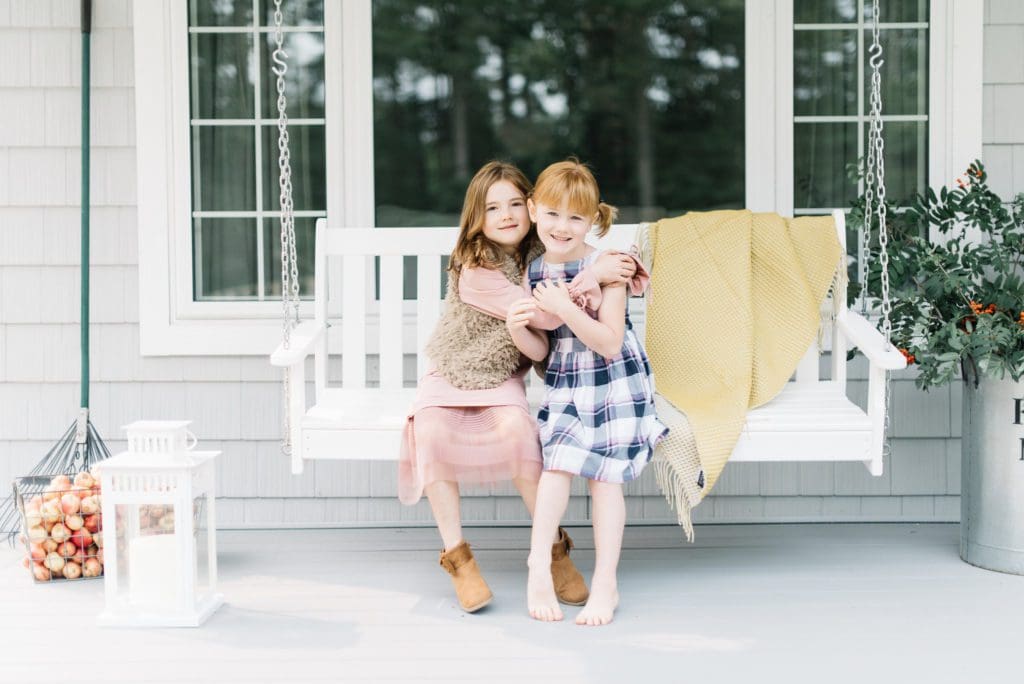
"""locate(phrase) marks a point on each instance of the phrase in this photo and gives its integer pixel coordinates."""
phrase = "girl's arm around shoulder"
(611, 268)
(615, 268)
(605, 334)
(487, 290)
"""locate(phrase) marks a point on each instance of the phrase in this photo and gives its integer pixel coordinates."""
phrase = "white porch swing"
(810, 420)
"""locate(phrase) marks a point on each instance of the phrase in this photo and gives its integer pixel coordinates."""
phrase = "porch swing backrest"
(811, 419)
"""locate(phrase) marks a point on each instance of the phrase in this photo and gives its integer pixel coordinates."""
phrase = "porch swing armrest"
(303, 339)
(870, 341)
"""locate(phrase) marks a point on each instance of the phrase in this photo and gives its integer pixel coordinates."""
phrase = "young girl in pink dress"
(471, 421)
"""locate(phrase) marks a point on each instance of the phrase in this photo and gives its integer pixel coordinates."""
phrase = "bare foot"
(600, 608)
(540, 595)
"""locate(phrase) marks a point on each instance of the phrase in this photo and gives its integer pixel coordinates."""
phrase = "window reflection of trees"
(649, 92)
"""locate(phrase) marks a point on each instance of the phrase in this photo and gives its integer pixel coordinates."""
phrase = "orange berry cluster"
(981, 309)
(970, 172)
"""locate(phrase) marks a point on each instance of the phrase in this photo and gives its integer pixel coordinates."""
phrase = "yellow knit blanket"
(733, 306)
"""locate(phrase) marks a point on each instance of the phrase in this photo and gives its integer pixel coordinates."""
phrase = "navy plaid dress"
(597, 419)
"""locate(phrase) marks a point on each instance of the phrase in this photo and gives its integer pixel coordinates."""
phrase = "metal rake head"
(78, 449)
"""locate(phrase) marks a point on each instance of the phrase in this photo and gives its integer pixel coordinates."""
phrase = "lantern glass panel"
(147, 556)
(203, 575)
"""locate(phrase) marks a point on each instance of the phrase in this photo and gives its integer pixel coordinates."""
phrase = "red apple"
(40, 572)
(60, 533)
(91, 504)
(72, 570)
(82, 538)
(92, 568)
(84, 479)
(93, 522)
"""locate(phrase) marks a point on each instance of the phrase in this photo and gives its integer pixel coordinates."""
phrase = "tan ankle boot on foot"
(470, 587)
(569, 585)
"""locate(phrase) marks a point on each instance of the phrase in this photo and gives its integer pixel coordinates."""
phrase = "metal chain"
(874, 192)
(289, 260)
(876, 170)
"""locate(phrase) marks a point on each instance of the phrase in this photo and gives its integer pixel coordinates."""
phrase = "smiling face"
(506, 221)
(561, 229)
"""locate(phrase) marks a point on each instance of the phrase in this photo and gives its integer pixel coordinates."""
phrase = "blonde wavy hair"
(473, 248)
(574, 180)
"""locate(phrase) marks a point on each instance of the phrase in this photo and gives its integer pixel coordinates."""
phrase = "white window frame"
(172, 324)
(955, 35)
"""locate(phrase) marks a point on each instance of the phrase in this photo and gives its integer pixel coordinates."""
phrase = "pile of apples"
(64, 529)
(156, 519)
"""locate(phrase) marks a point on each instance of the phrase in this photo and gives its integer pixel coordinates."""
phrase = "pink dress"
(485, 435)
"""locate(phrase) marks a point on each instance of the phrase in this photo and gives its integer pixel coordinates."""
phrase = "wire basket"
(61, 525)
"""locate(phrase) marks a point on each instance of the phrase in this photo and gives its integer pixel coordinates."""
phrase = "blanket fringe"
(829, 306)
(672, 486)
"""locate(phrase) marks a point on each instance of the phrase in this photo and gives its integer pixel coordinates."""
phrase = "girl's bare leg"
(552, 499)
(609, 511)
(528, 490)
(444, 503)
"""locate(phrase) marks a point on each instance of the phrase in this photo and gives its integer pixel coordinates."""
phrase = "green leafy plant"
(956, 280)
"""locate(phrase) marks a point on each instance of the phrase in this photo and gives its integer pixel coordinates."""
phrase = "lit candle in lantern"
(153, 572)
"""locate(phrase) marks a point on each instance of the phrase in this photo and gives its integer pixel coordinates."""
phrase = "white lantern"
(159, 539)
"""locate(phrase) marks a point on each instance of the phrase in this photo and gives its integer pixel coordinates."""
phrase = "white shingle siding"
(21, 118)
(1003, 120)
(236, 401)
(1004, 12)
(51, 51)
(999, 165)
(1007, 125)
(16, 56)
(1004, 53)
(37, 176)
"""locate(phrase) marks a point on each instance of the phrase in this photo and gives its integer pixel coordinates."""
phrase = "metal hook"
(282, 67)
(875, 60)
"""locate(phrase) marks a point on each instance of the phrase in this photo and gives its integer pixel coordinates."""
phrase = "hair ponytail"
(606, 214)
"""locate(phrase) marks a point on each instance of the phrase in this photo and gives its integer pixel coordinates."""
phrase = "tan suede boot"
(470, 587)
(569, 585)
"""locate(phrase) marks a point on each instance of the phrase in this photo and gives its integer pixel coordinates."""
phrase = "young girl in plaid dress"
(597, 420)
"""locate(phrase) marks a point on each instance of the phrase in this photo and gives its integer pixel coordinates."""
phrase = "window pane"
(825, 73)
(906, 159)
(294, 12)
(821, 153)
(640, 92)
(307, 150)
(220, 13)
(223, 168)
(224, 258)
(899, 11)
(304, 81)
(233, 254)
(305, 243)
(904, 71)
(824, 11)
(222, 67)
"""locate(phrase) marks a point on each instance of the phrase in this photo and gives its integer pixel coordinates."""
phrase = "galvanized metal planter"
(992, 488)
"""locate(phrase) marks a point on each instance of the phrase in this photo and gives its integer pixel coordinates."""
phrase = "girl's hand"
(613, 268)
(553, 297)
(519, 314)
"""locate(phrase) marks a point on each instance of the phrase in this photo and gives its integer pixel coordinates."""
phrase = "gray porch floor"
(793, 603)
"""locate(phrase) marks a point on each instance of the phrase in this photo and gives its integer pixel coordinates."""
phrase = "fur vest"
(469, 348)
